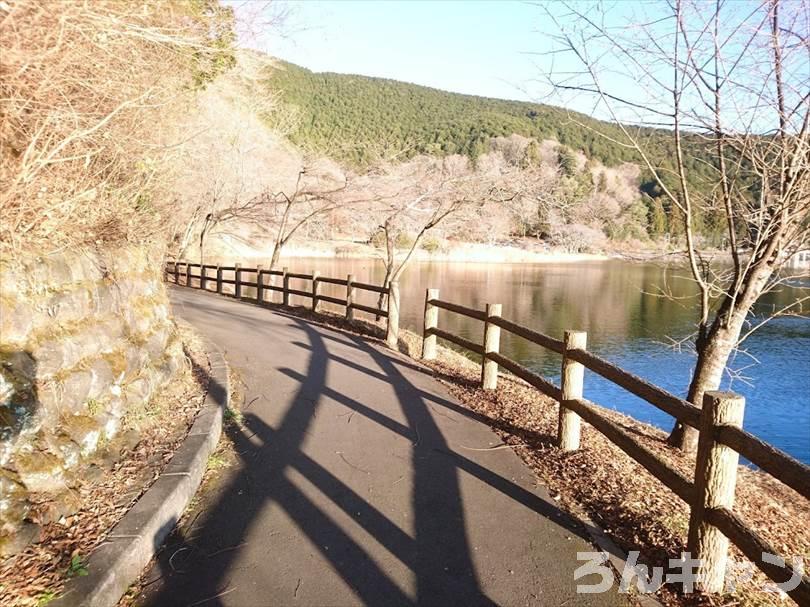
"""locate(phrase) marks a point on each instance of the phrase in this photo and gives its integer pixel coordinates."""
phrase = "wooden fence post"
(285, 285)
(392, 329)
(715, 479)
(431, 322)
(350, 292)
(186, 273)
(176, 273)
(203, 277)
(219, 279)
(573, 376)
(316, 287)
(492, 343)
(237, 290)
(259, 285)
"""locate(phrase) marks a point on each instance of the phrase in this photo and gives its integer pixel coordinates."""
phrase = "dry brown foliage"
(89, 97)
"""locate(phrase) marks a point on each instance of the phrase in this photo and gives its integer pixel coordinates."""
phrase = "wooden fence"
(710, 494)
(181, 273)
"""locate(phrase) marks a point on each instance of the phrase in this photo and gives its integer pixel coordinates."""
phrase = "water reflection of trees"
(615, 302)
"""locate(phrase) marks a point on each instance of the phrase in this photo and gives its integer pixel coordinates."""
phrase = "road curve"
(360, 481)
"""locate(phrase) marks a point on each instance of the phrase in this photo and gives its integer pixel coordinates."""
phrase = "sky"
(495, 48)
(480, 47)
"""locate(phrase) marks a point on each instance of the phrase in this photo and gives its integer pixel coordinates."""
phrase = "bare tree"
(732, 84)
(317, 192)
(434, 191)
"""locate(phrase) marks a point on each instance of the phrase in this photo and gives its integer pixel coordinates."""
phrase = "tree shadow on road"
(196, 568)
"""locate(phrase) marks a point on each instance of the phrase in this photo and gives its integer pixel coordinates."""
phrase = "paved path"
(359, 483)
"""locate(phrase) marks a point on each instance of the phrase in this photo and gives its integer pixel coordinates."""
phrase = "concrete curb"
(132, 543)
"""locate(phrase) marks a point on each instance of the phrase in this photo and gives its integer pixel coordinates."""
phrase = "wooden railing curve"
(349, 303)
(722, 439)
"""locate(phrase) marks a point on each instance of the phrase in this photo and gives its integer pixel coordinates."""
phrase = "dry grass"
(110, 486)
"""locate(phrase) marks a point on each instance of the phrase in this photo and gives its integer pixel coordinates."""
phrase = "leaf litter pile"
(634, 509)
(112, 483)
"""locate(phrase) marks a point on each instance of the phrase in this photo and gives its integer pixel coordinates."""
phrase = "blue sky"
(480, 48)
(489, 48)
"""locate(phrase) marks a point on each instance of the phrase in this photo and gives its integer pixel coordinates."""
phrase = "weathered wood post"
(259, 285)
(237, 289)
(431, 322)
(573, 377)
(316, 287)
(715, 480)
(186, 273)
(492, 343)
(219, 279)
(350, 293)
(176, 273)
(203, 277)
(392, 328)
(285, 285)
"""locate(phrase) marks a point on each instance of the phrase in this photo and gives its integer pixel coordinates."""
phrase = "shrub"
(431, 245)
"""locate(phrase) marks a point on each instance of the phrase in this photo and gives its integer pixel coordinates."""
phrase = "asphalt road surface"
(360, 481)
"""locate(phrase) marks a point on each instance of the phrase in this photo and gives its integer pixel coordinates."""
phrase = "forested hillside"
(355, 114)
(356, 119)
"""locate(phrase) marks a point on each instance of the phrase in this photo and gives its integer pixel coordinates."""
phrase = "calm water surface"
(617, 303)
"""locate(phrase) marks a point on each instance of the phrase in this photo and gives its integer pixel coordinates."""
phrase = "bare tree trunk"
(275, 256)
(714, 347)
(202, 245)
(708, 373)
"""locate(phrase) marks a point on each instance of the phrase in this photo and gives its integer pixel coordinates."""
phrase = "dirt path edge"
(132, 543)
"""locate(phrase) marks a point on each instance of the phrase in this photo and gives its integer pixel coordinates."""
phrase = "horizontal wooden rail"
(555, 345)
(369, 309)
(368, 287)
(391, 314)
(459, 341)
(753, 547)
(332, 281)
(463, 310)
(680, 409)
(622, 439)
(778, 464)
(531, 378)
(333, 300)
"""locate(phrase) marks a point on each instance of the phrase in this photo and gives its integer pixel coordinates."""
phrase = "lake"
(619, 304)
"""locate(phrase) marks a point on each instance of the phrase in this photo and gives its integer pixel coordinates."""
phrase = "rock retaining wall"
(84, 337)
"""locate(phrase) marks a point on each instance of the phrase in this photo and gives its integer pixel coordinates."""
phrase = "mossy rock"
(40, 472)
(14, 505)
(117, 360)
(65, 447)
(16, 321)
(12, 543)
(84, 430)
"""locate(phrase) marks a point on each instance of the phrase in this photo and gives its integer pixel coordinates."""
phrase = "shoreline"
(457, 253)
